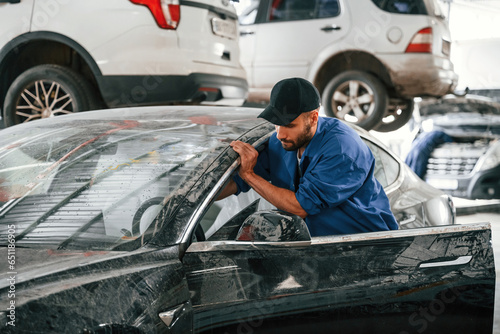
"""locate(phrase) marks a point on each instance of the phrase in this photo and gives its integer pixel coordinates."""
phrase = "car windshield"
(91, 183)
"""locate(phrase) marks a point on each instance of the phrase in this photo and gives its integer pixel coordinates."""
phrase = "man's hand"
(248, 155)
(281, 198)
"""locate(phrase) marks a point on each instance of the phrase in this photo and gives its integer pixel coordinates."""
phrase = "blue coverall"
(338, 189)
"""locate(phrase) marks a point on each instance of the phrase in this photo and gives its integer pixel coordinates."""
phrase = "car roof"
(197, 114)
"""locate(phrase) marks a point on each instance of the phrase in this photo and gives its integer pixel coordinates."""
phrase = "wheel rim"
(43, 99)
(353, 101)
(397, 115)
(395, 112)
(392, 115)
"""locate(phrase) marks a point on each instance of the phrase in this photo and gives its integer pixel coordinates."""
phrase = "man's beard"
(304, 139)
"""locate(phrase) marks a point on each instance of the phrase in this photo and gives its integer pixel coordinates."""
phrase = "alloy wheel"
(353, 101)
(43, 99)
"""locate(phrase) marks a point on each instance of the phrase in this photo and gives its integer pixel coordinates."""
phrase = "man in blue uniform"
(317, 168)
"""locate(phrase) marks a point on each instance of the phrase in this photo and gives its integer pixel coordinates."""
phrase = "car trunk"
(217, 24)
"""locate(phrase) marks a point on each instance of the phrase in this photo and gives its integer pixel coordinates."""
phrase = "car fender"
(334, 60)
(140, 286)
(11, 51)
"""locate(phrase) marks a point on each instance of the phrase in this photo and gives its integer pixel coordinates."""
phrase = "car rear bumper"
(420, 74)
(140, 90)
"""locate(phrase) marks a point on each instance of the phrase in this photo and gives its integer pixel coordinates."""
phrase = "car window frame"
(264, 12)
(381, 158)
(421, 5)
(197, 216)
(315, 17)
(400, 178)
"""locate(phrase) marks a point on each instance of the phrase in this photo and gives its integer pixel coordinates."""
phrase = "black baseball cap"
(290, 98)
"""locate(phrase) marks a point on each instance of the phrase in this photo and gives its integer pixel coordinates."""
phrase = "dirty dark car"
(109, 224)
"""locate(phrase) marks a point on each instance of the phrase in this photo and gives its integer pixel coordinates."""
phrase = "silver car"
(414, 203)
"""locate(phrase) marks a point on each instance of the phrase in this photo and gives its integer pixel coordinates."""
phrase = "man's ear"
(315, 116)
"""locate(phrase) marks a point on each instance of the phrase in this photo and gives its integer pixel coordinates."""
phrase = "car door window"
(402, 6)
(223, 218)
(327, 8)
(291, 10)
(386, 167)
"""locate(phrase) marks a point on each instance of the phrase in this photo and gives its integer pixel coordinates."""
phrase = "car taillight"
(167, 13)
(421, 42)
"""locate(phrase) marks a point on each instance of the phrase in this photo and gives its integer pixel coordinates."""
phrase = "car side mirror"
(273, 225)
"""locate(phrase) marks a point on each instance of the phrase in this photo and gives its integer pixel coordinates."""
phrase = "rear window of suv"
(291, 10)
(412, 7)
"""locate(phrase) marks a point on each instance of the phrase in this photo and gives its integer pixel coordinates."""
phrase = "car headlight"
(491, 158)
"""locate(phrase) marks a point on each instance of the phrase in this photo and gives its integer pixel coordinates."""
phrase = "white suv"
(368, 58)
(63, 56)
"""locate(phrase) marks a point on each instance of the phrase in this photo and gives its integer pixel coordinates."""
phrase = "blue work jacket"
(338, 189)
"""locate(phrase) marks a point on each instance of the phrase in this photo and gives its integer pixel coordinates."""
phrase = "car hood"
(462, 116)
(34, 273)
(35, 263)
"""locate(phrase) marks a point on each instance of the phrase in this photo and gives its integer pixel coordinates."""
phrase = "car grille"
(457, 159)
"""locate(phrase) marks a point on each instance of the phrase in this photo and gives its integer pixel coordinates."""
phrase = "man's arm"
(230, 189)
(281, 198)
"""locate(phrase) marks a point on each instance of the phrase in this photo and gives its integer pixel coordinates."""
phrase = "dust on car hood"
(463, 116)
(42, 271)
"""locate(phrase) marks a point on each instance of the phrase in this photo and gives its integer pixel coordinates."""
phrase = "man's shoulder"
(328, 122)
(340, 138)
(335, 128)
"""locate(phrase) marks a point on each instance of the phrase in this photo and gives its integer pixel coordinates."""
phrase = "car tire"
(365, 107)
(45, 91)
(396, 116)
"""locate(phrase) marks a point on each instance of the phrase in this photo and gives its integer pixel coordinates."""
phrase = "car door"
(415, 280)
(401, 281)
(287, 36)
